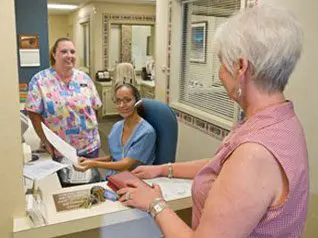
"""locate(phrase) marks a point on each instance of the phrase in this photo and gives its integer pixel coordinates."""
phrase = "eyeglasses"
(125, 101)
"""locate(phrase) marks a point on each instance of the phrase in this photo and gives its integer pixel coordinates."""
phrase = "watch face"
(157, 207)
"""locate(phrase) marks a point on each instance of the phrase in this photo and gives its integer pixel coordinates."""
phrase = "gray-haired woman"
(257, 184)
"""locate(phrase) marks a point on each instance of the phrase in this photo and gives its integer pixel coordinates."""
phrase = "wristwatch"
(158, 207)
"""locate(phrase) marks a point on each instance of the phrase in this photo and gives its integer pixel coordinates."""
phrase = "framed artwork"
(198, 42)
(28, 41)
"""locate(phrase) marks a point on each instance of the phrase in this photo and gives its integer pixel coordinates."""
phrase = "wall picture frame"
(198, 42)
(28, 41)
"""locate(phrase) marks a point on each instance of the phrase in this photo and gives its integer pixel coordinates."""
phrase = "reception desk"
(107, 219)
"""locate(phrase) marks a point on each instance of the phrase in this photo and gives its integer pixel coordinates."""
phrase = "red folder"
(120, 180)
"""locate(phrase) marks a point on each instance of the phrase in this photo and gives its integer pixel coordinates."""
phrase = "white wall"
(58, 28)
(11, 199)
(161, 49)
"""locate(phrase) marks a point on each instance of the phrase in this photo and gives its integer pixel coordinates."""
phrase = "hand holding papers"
(64, 148)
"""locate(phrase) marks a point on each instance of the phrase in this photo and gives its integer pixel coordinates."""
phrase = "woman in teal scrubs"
(131, 140)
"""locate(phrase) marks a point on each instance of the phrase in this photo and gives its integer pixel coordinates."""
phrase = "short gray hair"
(270, 38)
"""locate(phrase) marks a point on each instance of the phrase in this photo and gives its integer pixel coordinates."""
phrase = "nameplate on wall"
(70, 200)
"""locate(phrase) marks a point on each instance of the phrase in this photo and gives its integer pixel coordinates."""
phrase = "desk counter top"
(105, 215)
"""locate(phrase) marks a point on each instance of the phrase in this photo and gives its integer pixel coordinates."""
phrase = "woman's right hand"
(148, 171)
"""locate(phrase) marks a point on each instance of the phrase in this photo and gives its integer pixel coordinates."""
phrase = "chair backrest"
(125, 73)
(164, 121)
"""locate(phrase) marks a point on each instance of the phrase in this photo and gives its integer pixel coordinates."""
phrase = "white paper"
(64, 148)
(172, 188)
(40, 169)
(29, 57)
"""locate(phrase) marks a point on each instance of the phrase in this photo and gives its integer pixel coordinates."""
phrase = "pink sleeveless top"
(278, 129)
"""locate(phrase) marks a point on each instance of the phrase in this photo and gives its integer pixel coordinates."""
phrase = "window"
(199, 86)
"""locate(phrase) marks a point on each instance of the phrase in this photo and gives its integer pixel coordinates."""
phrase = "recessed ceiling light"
(61, 6)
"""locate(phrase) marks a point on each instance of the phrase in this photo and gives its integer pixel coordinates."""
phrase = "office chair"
(164, 121)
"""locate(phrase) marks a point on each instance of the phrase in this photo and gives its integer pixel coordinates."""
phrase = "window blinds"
(200, 86)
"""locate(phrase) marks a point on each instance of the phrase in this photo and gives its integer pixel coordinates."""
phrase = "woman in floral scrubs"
(65, 99)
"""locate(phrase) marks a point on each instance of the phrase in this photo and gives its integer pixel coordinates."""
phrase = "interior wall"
(57, 28)
(161, 48)
(194, 145)
(12, 198)
(31, 18)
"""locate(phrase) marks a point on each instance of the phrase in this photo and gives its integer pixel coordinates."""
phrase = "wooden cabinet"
(105, 92)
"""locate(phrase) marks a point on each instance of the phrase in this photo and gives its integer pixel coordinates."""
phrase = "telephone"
(103, 76)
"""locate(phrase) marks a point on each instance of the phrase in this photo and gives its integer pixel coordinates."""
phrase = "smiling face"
(65, 55)
(125, 101)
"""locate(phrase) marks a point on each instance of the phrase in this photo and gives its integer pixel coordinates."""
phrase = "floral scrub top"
(67, 109)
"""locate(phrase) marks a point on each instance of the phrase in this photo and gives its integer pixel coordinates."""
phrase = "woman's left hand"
(140, 195)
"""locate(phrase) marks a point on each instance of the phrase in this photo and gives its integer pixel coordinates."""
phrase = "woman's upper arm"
(246, 187)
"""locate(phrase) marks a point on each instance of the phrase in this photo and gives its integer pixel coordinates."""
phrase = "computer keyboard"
(70, 175)
(79, 177)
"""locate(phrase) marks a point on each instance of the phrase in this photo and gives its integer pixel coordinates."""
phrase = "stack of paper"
(40, 169)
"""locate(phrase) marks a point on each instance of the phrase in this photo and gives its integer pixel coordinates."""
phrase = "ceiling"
(82, 2)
